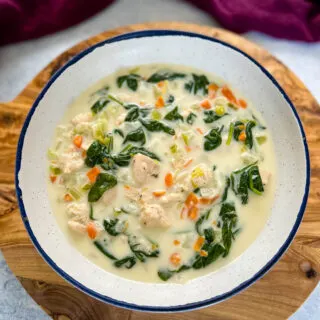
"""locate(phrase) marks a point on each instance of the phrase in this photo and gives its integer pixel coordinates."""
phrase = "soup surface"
(161, 173)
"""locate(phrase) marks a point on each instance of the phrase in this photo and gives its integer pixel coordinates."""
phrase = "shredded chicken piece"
(144, 168)
(153, 215)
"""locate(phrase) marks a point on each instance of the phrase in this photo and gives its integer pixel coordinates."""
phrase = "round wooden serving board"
(276, 296)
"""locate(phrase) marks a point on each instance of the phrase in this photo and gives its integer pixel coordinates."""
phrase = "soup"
(161, 173)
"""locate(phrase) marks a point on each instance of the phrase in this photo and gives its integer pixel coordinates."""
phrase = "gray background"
(19, 63)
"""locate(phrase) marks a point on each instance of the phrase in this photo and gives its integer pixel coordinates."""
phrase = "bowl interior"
(178, 48)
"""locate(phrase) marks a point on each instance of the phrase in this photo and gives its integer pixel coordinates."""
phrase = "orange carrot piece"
(198, 244)
(205, 104)
(183, 212)
(158, 193)
(84, 153)
(191, 201)
(242, 136)
(92, 230)
(193, 213)
(242, 103)
(203, 253)
(67, 197)
(175, 259)
(212, 89)
(126, 187)
(188, 149)
(93, 173)
(187, 163)
(208, 200)
(159, 103)
(168, 180)
(77, 141)
(199, 130)
(229, 95)
(176, 242)
(160, 84)
(53, 178)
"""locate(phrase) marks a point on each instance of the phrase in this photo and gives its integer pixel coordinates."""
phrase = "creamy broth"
(140, 165)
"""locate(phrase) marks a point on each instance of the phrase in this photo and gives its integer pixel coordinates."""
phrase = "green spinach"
(157, 126)
(165, 75)
(137, 135)
(119, 132)
(211, 116)
(127, 262)
(135, 112)
(198, 84)
(104, 182)
(99, 105)
(212, 140)
(131, 80)
(174, 115)
(191, 118)
(102, 248)
(249, 136)
(113, 226)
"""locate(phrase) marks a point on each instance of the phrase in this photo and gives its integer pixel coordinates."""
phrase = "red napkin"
(289, 19)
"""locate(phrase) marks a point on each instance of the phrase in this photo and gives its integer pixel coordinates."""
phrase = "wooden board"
(276, 296)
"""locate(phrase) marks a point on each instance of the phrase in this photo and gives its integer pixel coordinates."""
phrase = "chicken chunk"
(249, 157)
(78, 209)
(70, 161)
(265, 176)
(82, 118)
(201, 176)
(172, 198)
(144, 168)
(77, 226)
(154, 216)
(109, 196)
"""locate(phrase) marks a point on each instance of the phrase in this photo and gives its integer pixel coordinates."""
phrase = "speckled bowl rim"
(189, 306)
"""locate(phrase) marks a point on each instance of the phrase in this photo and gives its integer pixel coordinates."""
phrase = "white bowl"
(194, 50)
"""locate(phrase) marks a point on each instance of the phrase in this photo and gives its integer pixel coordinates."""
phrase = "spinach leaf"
(209, 234)
(91, 212)
(191, 118)
(156, 126)
(199, 223)
(211, 116)
(255, 181)
(131, 80)
(213, 139)
(199, 83)
(170, 99)
(103, 183)
(99, 105)
(136, 136)
(174, 115)
(237, 129)
(165, 274)
(135, 112)
(225, 192)
(260, 126)
(139, 252)
(113, 226)
(165, 75)
(127, 262)
(102, 248)
(249, 137)
(227, 236)
(96, 154)
(214, 250)
(108, 141)
(119, 132)
(101, 92)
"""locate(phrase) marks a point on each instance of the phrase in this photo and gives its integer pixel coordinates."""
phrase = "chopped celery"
(173, 148)
(55, 170)
(76, 194)
(113, 98)
(261, 139)
(185, 138)
(155, 115)
(232, 106)
(230, 134)
(52, 155)
(99, 129)
(220, 110)
(86, 187)
(117, 212)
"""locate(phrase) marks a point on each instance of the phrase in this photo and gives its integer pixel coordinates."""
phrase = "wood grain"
(276, 296)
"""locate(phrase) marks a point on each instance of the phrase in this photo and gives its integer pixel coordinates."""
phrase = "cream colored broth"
(175, 157)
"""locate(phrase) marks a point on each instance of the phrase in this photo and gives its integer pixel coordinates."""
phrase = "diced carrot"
(193, 213)
(77, 141)
(187, 163)
(93, 173)
(212, 88)
(205, 104)
(176, 242)
(203, 253)
(241, 127)
(188, 149)
(198, 244)
(92, 230)
(158, 193)
(242, 136)
(126, 187)
(67, 197)
(142, 103)
(192, 200)
(175, 259)
(208, 200)
(168, 180)
(183, 212)
(199, 130)
(53, 178)
(229, 95)
(242, 103)
(160, 84)
(214, 222)
(159, 103)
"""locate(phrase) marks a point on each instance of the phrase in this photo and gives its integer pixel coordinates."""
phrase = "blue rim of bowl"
(123, 304)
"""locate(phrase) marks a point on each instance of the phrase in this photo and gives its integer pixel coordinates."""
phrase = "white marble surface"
(20, 62)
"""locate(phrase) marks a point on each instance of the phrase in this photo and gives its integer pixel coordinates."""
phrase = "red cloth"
(26, 19)
(289, 19)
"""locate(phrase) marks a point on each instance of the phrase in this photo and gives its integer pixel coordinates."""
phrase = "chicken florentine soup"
(161, 172)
